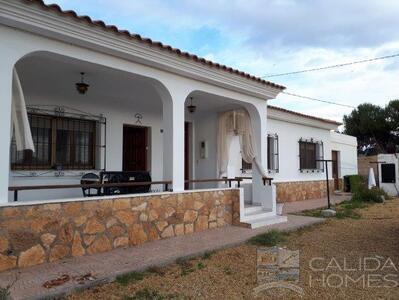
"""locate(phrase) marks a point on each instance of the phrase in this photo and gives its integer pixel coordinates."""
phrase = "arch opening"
(201, 140)
(79, 133)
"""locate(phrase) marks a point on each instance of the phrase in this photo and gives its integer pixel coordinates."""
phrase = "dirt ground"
(338, 251)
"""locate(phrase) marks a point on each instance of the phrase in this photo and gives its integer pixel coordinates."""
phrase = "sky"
(266, 37)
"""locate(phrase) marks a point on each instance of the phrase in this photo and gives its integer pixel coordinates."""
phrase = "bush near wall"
(34, 234)
(355, 182)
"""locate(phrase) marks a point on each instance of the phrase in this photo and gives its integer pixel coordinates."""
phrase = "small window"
(310, 152)
(272, 152)
(388, 173)
(60, 142)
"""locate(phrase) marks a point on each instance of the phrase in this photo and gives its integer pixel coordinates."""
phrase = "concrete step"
(261, 221)
(252, 209)
(255, 215)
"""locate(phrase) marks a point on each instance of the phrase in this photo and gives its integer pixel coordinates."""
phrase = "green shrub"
(207, 254)
(200, 265)
(363, 194)
(5, 293)
(347, 212)
(185, 265)
(269, 239)
(156, 270)
(356, 182)
(129, 278)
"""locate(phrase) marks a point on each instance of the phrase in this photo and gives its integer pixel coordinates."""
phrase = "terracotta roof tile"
(304, 115)
(70, 13)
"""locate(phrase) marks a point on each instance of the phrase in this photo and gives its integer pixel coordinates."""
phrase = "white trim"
(295, 119)
(34, 19)
(25, 203)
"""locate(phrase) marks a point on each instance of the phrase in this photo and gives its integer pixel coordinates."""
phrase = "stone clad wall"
(34, 234)
(302, 190)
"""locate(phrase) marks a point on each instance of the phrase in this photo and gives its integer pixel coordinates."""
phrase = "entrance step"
(253, 208)
(262, 221)
(252, 214)
(255, 216)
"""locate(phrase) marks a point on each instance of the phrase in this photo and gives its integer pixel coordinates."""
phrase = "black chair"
(90, 178)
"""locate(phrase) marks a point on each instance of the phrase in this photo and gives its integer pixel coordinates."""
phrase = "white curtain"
(19, 117)
(236, 122)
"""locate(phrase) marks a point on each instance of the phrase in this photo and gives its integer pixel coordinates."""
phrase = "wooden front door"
(334, 157)
(135, 147)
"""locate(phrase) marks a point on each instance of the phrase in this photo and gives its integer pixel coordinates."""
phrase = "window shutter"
(272, 152)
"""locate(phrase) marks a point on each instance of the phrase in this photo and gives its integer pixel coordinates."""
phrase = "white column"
(173, 139)
(5, 126)
(261, 194)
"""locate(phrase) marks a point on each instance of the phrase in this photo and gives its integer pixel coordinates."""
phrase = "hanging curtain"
(19, 117)
(236, 122)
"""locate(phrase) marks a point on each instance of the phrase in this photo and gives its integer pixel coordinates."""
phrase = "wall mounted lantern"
(191, 108)
(81, 86)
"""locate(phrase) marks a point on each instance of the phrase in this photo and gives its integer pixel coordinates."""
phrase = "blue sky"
(276, 36)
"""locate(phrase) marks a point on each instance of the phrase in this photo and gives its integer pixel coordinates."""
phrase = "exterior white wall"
(391, 189)
(206, 130)
(288, 137)
(347, 153)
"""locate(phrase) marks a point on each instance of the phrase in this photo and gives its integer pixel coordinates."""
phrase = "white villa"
(98, 99)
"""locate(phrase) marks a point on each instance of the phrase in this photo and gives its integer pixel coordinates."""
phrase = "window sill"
(311, 171)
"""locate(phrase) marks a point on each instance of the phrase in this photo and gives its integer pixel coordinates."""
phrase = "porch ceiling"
(50, 76)
(206, 103)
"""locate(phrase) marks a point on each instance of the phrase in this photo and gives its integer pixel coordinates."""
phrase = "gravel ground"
(230, 273)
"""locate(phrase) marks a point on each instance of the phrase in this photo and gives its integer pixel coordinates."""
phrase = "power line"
(316, 99)
(332, 66)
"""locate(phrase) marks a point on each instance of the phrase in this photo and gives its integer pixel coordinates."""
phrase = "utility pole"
(326, 161)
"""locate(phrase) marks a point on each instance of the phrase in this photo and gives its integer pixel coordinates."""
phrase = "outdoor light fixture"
(81, 86)
(191, 108)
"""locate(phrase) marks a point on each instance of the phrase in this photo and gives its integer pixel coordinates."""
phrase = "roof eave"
(53, 8)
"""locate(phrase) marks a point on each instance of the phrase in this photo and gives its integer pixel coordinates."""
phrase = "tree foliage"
(374, 126)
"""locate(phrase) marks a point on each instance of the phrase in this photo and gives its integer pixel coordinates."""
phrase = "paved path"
(291, 207)
(106, 266)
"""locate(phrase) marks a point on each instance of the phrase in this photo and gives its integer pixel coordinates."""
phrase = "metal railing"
(166, 183)
(265, 180)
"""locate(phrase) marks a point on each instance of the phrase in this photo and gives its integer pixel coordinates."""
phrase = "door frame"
(187, 153)
(147, 131)
(335, 168)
